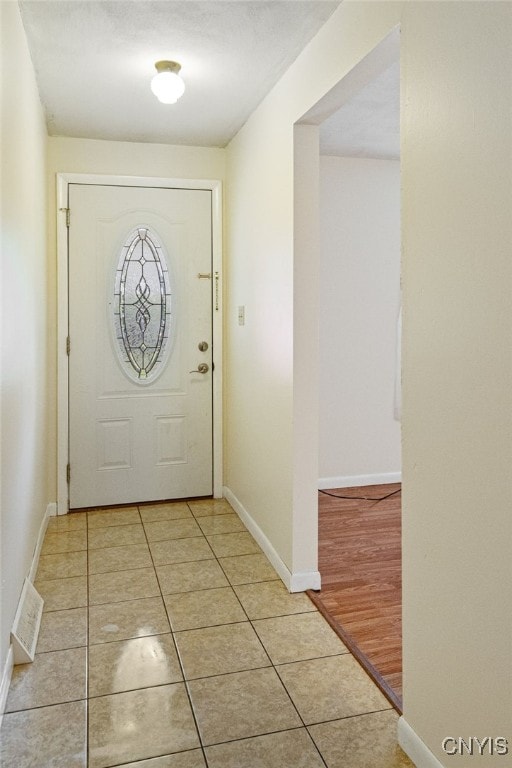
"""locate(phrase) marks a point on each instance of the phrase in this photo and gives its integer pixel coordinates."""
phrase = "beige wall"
(24, 358)
(457, 406)
(68, 155)
(272, 419)
(456, 166)
(259, 355)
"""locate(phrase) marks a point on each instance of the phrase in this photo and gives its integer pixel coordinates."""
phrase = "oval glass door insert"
(142, 305)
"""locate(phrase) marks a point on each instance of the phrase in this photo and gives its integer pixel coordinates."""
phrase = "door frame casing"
(63, 182)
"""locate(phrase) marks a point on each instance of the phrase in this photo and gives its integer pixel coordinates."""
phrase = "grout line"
(156, 757)
(262, 735)
(45, 706)
(351, 717)
(60, 578)
(180, 662)
(160, 595)
(134, 690)
(61, 650)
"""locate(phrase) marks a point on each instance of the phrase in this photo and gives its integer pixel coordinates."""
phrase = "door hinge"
(68, 346)
(68, 215)
(68, 473)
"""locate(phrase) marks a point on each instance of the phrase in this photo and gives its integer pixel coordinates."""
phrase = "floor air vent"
(26, 624)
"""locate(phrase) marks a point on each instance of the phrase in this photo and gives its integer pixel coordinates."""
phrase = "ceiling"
(94, 60)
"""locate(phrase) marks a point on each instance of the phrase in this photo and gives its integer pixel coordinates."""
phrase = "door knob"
(201, 368)
(202, 346)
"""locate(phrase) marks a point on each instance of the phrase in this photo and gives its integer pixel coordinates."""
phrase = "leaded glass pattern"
(142, 306)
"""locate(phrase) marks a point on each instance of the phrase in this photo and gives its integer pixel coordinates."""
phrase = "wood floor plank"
(360, 565)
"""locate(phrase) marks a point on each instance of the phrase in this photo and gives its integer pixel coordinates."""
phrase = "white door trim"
(63, 182)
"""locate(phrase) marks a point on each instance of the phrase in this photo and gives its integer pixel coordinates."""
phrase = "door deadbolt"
(201, 368)
(202, 346)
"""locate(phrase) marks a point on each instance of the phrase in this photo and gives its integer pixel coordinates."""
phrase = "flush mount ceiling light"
(167, 85)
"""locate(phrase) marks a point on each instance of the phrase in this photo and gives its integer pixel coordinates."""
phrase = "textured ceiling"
(94, 61)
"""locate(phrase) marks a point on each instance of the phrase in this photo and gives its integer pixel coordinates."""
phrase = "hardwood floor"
(360, 566)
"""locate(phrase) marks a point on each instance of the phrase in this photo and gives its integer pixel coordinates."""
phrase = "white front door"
(140, 328)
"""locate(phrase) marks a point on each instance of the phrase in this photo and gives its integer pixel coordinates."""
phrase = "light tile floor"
(168, 641)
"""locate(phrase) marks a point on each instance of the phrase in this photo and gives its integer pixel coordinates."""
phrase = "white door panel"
(138, 436)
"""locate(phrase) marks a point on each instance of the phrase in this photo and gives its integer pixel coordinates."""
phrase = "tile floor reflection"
(168, 641)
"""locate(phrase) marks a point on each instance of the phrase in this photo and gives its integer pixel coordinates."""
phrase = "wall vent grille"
(26, 625)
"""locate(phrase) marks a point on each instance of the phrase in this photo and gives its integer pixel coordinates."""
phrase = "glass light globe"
(167, 85)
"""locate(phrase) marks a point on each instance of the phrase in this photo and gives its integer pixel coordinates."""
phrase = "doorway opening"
(359, 363)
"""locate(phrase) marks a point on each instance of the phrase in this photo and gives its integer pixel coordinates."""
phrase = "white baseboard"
(308, 580)
(6, 681)
(51, 511)
(351, 481)
(415, 748)
(294, 582)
